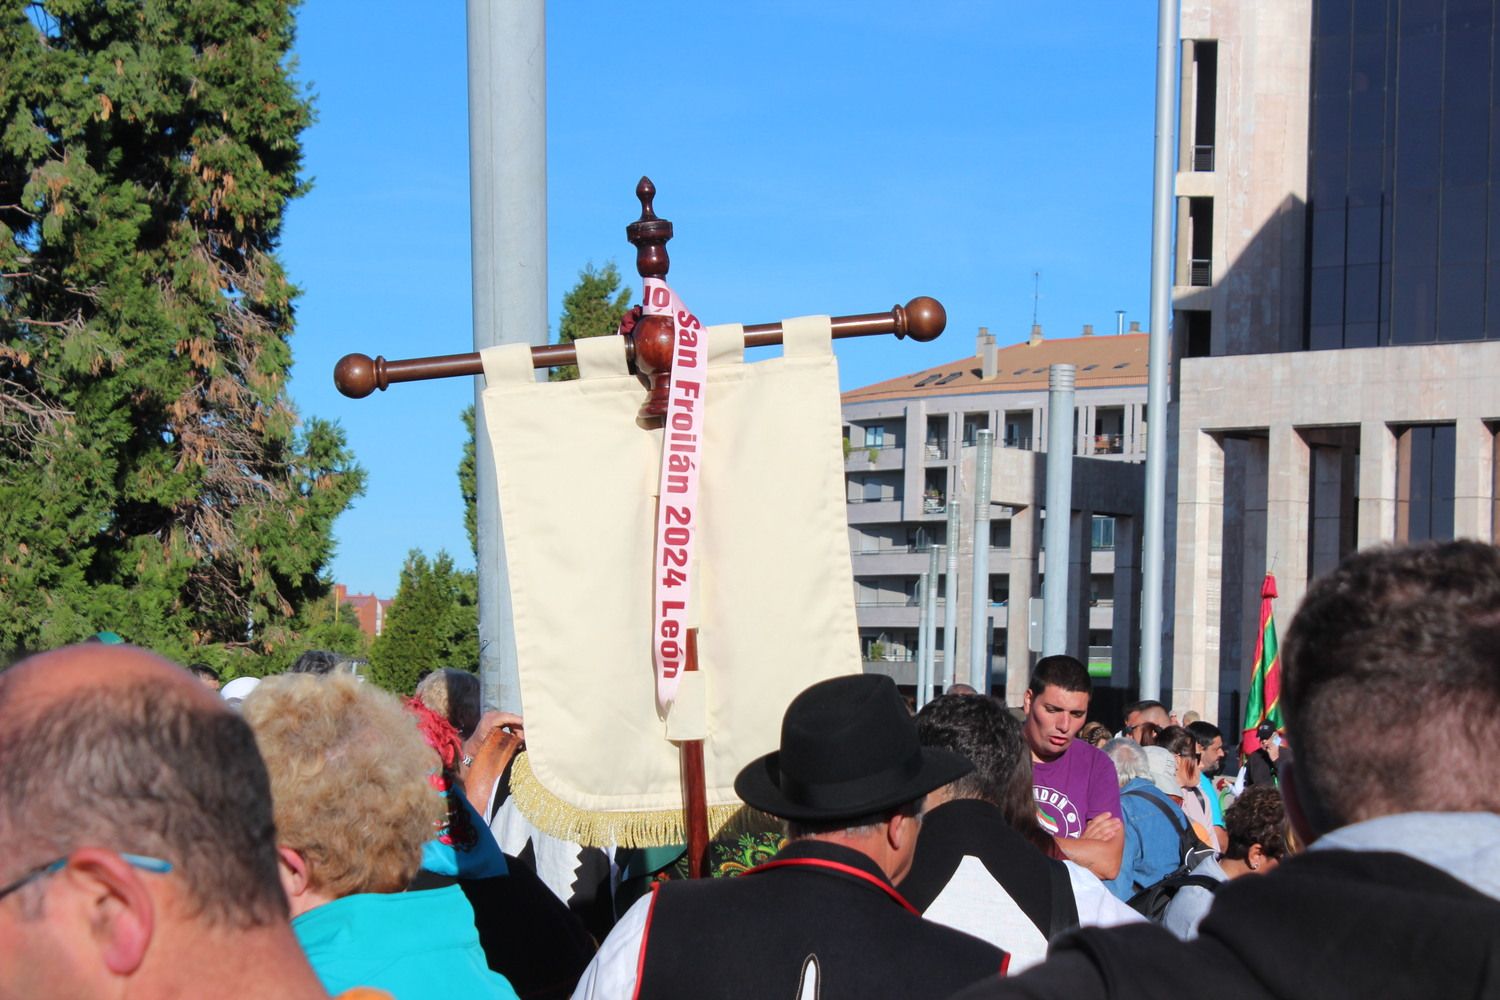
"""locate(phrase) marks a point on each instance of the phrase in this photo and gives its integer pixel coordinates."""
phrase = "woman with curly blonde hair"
(354, 805)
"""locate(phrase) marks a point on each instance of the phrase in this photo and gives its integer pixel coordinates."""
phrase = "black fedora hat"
(848, 749)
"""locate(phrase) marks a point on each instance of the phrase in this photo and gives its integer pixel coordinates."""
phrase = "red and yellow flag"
(1264, 703)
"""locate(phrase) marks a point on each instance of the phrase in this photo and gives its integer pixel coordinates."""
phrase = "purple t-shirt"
(1074, 788)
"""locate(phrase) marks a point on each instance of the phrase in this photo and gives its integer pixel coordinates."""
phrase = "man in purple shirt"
(1076, 789)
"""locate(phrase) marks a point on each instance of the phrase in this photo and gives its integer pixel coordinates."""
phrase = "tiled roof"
(1100, 362)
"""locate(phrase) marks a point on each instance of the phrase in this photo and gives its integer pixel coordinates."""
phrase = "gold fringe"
(620, 828)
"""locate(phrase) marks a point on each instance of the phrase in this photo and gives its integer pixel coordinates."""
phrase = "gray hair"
(146, 769)
(1130, 760)
(453, 694)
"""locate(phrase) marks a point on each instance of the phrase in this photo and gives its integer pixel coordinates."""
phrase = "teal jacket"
(413, 945)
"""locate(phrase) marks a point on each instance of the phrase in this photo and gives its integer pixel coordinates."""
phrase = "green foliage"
(432, 623)
(468, 483)
(592, 308)
(153, 476)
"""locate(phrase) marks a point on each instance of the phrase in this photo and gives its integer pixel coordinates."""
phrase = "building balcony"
(877, 510)
(875, 458)
(1109, 444)
(894, 560)
(895, 614)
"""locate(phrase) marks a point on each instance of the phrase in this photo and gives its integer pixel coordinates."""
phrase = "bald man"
(137, 853)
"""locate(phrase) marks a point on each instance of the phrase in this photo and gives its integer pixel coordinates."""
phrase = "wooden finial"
(922, 319)
(357, 375)
(653, 334)
(649, 235)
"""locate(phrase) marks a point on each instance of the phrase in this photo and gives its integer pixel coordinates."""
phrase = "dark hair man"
(1077, 794)
(1399, 893)
(207, 676)
(1210, 740)
(1141, 712)
(317, 661)
(822, 919)
(137, 855)
(973, 871)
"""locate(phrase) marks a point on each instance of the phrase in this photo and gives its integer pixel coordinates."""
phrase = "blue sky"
(833, 157)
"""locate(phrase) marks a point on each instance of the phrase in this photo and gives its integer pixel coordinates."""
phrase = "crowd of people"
(310, 835)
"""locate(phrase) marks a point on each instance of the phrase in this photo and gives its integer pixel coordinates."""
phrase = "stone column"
(1199, 566)
(1474, 480)
(1023, 587)
(1377, 484)
(1187, 103)
(1184, 255)
(1288, 475)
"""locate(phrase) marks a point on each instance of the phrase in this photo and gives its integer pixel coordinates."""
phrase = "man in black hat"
(822, 919)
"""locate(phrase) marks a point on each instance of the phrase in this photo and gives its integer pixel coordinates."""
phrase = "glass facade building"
(1404, 208)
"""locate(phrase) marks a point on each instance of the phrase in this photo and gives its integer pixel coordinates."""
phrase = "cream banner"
(578, 477)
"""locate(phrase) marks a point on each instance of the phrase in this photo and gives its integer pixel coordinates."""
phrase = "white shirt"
(973, 902)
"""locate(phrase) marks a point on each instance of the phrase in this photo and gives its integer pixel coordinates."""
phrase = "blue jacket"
(413, 945)
(1152, 844)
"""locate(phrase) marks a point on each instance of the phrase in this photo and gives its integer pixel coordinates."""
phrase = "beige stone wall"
(1289, 402)
(1259, 181)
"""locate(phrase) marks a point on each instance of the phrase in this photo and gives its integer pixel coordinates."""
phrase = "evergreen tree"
(433, 623)
(153, 478)
(592, 308)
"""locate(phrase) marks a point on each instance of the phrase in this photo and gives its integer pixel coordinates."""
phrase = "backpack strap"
(1166, 810)
(1064, 906)
(1201, 881)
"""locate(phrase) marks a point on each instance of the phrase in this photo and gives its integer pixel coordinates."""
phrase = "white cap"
(238, 689)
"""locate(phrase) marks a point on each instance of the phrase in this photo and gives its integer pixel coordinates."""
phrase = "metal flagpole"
(508, 232)
(1160, 354)
(1059, 509)
(934, 567)
(950, 596)
(923, 585)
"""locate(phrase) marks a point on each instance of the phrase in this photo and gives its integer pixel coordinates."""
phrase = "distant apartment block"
(368, 609)
(911, 455)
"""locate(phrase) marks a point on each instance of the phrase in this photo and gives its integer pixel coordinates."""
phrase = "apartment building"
(910, 445)
(1336, 319)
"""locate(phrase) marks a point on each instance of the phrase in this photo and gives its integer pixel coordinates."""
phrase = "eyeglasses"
(141, 861)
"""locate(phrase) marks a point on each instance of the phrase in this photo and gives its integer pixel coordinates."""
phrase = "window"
(1201, 237)
(1199, 326)
(1425, 457)
(1206, 66)
(928, 380)
(875, 436)
(949, 378)
(1103, 532)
